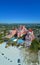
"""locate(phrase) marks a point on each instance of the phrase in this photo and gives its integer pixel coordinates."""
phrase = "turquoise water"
(13, 38)
(19, 41)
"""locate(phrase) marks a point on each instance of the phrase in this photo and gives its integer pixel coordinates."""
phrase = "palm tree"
(34, 51)
(34, 45)
(1, 39)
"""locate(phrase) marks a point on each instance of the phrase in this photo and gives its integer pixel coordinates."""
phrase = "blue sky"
(19, 11)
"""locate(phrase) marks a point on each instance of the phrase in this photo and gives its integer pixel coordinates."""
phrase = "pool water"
(20, 41)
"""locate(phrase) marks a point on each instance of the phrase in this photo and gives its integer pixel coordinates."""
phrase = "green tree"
(34, 45)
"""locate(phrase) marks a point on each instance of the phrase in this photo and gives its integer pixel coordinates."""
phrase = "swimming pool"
(19, 41)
